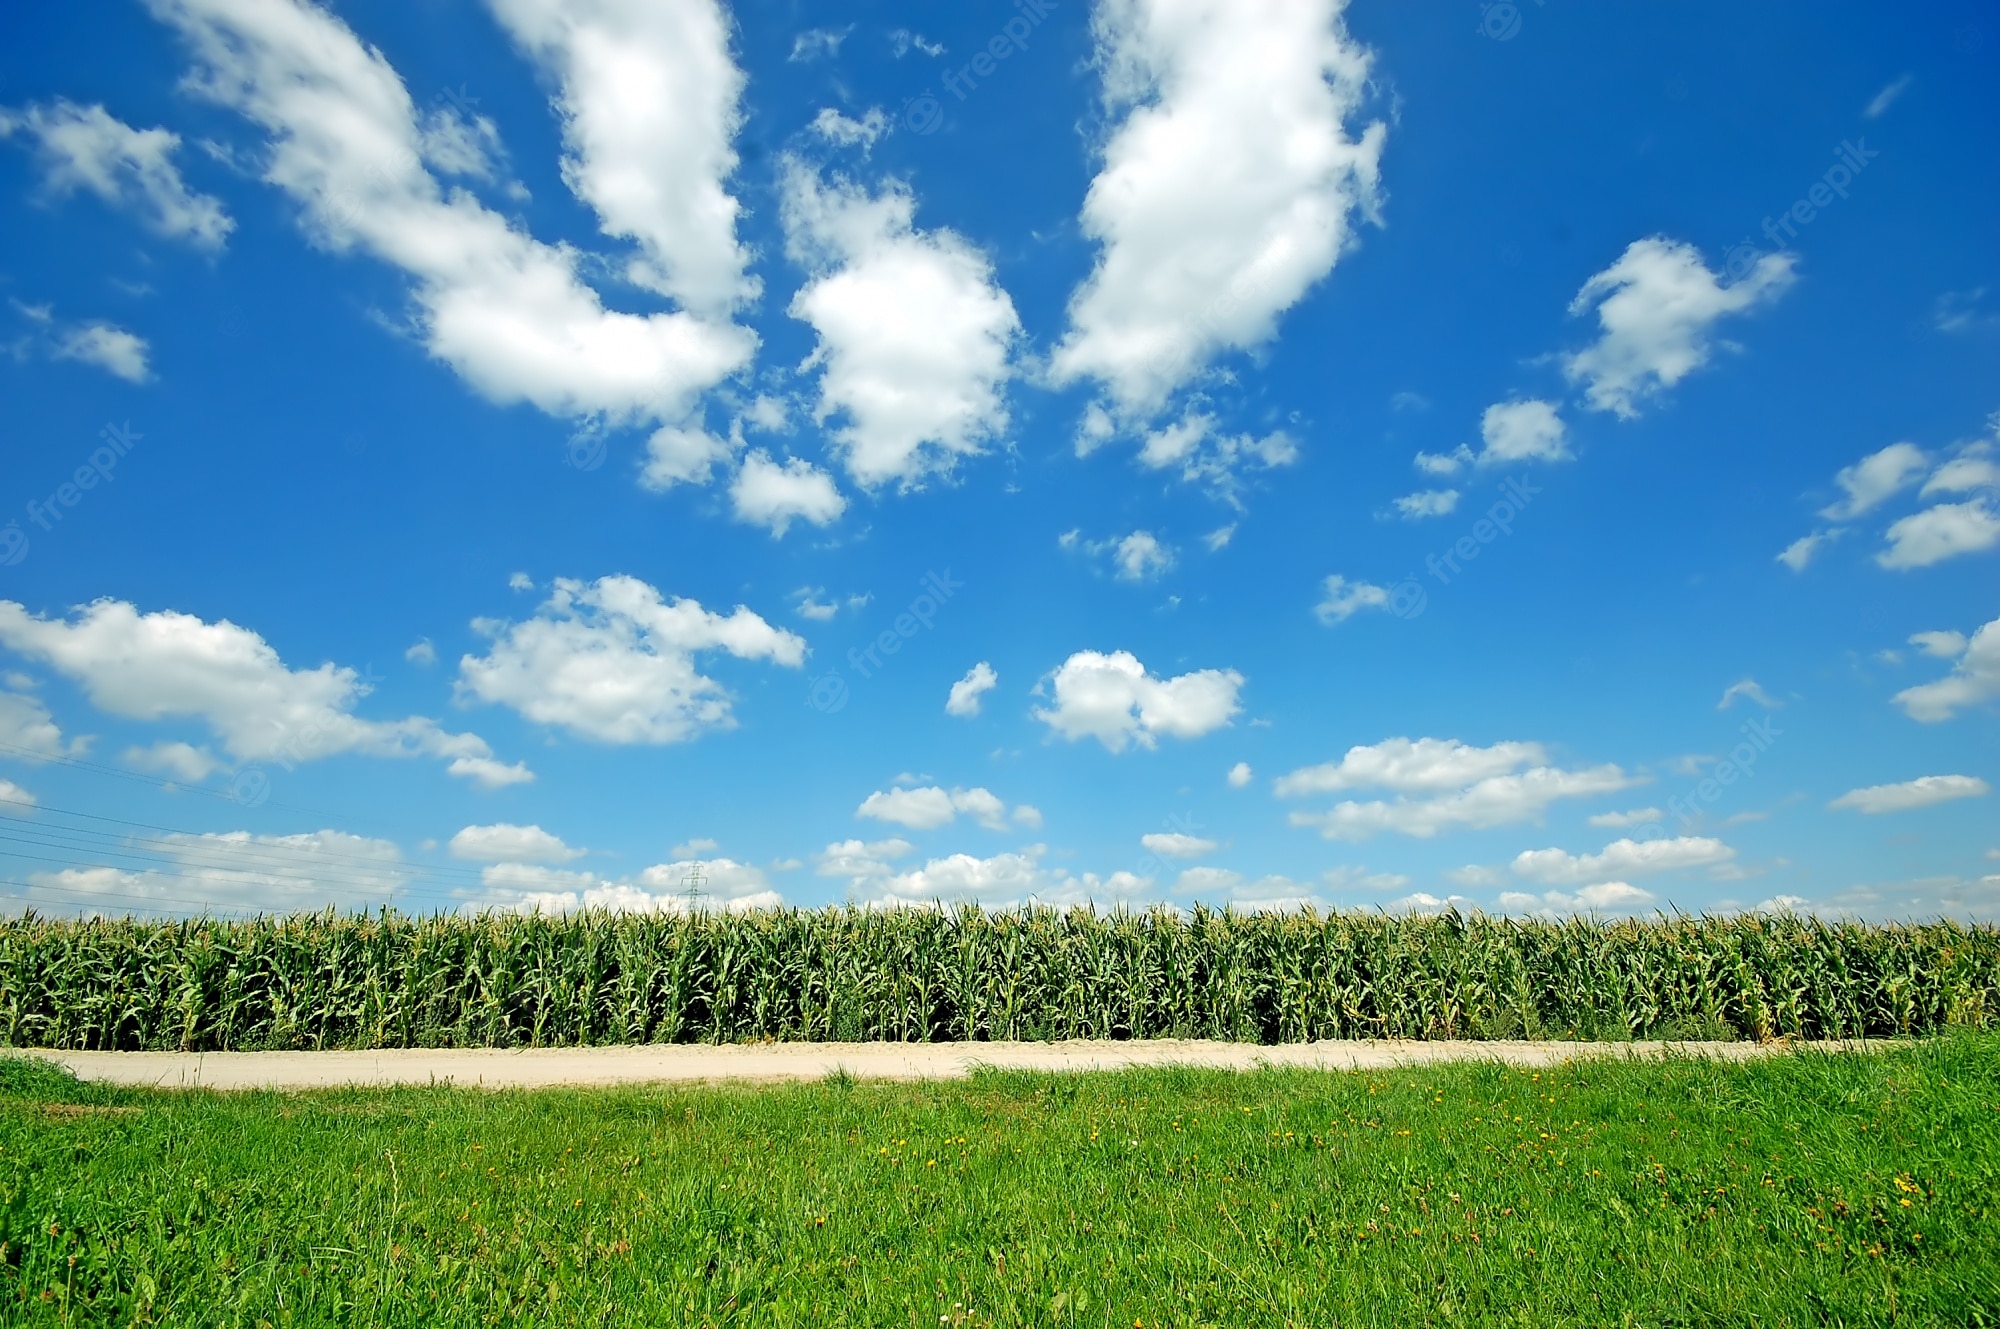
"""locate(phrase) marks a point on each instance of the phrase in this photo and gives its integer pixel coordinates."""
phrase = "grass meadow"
(1811, 1189)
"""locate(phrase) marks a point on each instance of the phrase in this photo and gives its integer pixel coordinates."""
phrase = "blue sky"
(1537, 458)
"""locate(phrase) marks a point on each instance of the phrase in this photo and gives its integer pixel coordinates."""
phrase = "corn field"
(332, 981)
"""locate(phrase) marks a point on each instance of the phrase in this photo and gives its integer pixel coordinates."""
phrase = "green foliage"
(1805, 1189)
(331, 981)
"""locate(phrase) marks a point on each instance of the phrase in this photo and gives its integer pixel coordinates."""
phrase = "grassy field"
(1811, 1189)
(326, 981)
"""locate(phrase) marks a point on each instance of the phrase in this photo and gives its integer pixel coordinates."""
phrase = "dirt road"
(546, 1067)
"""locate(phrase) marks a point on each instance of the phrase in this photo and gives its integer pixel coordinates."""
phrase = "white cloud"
(765, 493)
(817, 43)
(108, 347)
(838, 129)
(1749, 689)
(455, 145)
(1657, 305)
(610, 661)
(1621, 858)
(686, 454)
(1886, 98)
(1936, 534)
(1447, 463)
(161, 665)
(423, 654)
(1454, 783)
(488, 773)
(694, 848)
(1208, 456)
(27, 729)
(858, 860)
(965, 694)
(1227, 189)
(14, 794)
(509, 314)
(1265, 895)
(902, 41)
(1922, 792)
(915, 337)
(1113, 699)
(1218, 539)
(181, 760)
(1976, 678)
(1800, 552)
(1140, 556)
(234, 871)
(649, 106)
(1875, 479)
(1420, 766)
(1962, 474)
(1942, 645)
(1240, 775)
(1620, 820)
(1611, 897)
(505, 843)
(698, 885)
(86, 147)
(1514, 431)
(927, 808)
(1427, 503)
(1343, 599)
(1173, 844)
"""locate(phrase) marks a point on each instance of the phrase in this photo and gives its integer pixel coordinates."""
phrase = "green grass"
(389, 980)
(1810, 1189)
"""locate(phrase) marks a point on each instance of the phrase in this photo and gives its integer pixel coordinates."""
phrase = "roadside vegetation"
(1836, 1189)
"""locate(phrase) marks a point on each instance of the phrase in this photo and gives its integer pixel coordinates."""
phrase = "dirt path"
(544, 1067)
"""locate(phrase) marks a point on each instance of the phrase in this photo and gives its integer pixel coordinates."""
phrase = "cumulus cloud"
(964, 700)
(1441, 784)
(927, 808)
(611, 661)
(166, 665)
(844, 131)
(231, 872)
(1240, 775)
(1620, 820)
(1620, 858)
(1922, 792)
(1002, 881)
(509, 314)
(27, 729)
(1342, 599)
(108, 347)
(683, 886)
(1940, 645)
(1607, 897)
(915, 336)
(1212, 457)
(1138, 557)
(1936, 534)
(87, 148)
(649, 102)
(765, 493)
(15, 795)
(1427, 503)
(859, 860)
(1962, 474)
(1875, 479)
(184, 761)
(505, 843)
(1516, 431)
(1975, 679)
(1799, 554)
(1657, 306)
(1228, 185)
(1174, 844)
(1113, 699)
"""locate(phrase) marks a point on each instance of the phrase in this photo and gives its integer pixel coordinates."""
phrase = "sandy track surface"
(546, 1067)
